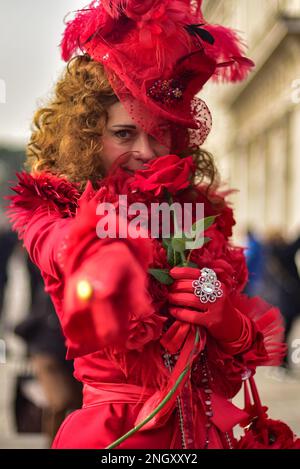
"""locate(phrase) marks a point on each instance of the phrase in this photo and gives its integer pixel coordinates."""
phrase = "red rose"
(166, 172)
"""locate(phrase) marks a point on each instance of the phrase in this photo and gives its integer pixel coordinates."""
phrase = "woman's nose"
(144, 147)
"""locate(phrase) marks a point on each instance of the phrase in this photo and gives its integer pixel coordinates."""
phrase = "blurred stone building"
(256, 132)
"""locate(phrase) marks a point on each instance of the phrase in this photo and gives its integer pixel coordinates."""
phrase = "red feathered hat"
(157, 55)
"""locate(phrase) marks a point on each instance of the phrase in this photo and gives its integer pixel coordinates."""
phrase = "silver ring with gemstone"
(207, 287)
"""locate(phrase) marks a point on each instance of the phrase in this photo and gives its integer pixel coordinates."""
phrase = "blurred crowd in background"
(274, 276)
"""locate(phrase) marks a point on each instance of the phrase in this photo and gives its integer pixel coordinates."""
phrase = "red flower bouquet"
(165, 178)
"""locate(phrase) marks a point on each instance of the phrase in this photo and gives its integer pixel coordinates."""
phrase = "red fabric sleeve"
(44, 234)
(120, 314)
(246, 339)
(58, 229)
(41, 211)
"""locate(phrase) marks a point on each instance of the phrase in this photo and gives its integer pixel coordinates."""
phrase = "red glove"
(117, 284)
(224, 322)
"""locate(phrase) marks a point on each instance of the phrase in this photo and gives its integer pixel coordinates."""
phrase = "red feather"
(83, 26)
(34, 191)
(228, 50)
(269, 321)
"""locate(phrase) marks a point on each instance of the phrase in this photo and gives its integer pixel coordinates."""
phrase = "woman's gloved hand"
(222, 320)
(99, 296)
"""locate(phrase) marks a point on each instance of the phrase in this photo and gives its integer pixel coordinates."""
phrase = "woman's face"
(123, 135)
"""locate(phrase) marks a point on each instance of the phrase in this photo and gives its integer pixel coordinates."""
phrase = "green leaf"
(178, 244)
(199, 227)
(179, 239)
(206, 222)
(162, 275)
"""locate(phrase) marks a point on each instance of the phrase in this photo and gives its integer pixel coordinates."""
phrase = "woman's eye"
(123, 134)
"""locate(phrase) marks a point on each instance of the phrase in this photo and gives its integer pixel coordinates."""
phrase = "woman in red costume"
(162, 338)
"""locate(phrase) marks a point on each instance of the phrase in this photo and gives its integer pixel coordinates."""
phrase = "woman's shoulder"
(45, 188)
(41, 190)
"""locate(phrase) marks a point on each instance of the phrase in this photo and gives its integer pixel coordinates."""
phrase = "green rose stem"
(183, 259)
(161, 405)
(182, 255)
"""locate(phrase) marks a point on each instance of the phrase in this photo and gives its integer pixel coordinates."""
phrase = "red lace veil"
(158, 54)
